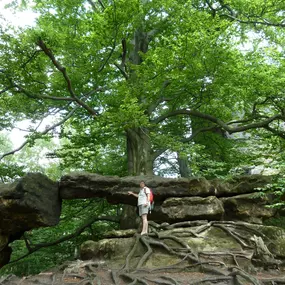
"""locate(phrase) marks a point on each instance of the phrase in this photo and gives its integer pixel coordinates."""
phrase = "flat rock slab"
(115, 189)
(191, 208)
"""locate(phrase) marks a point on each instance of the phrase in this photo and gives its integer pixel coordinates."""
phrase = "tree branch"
(41, 133)
(233, 15)
(275, 132)
(31, 58)
(67, 237)
(101, 4)
(122, 71)
(114, 43)
(37, 96)
(92, 5)
(6, 89)
(261, 124)
(264, 22)
(162, 98)
(202, 130)
(62, 69)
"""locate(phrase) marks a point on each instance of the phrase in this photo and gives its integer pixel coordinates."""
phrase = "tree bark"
(139, 150)
(140, 160)
(184, 170)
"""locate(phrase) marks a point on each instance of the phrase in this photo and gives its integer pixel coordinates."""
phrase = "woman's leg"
(144, 224)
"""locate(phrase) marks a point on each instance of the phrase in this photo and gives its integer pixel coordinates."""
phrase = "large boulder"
(192, 208)
(35, 201)
(251, 208)
(241, 184)
(28, 203)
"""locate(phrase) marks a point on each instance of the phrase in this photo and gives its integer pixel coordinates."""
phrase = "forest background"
(139, 87)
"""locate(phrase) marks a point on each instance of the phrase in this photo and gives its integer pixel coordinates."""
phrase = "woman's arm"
(148, 199)
(133, 194)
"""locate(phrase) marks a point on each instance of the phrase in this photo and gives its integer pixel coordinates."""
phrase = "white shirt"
(142, 196)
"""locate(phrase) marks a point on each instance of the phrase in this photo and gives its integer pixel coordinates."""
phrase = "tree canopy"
(147, 76)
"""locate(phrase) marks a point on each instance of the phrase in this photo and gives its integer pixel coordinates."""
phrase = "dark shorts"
(143, 209)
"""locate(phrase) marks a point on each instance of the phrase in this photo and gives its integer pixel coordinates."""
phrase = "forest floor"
(105, 276)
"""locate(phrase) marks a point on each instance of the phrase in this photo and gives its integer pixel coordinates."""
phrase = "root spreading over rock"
(191, 253)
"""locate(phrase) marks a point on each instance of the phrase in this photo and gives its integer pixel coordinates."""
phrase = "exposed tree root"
(131, 253)
(244, 225)
(174, 282)
(212, 280)
(146, 255)
(239, 272)
(134, 280)
(164, 280)
(214, 267)
(114, 277)
(233, 234)
(5, 278)
(189, 260)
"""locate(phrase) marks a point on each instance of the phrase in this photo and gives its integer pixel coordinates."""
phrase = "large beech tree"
(154, 75)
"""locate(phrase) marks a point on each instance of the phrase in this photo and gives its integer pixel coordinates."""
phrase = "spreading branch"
(78, 231)
(92, 5)
(227, 11)
(62, 69)
(6, 89)
(31, 58)
(218, 122)
(37, 96)
(123, 72)
(69, 115)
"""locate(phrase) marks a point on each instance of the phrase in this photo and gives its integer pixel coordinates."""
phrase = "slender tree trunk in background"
(184, 170)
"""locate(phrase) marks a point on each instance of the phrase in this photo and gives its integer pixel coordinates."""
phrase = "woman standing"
(143, 205)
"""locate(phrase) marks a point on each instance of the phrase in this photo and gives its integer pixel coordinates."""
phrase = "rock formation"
(212, 225)
(178, 199)
(30, 202)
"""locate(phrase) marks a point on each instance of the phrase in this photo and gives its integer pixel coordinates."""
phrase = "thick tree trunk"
(140, 161)
(139, 151)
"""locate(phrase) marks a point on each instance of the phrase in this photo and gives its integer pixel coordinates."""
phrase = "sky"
(20, 19)
(17, 18)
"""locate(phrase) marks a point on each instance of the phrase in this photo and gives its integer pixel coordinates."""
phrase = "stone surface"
(248, 207)
(111, 249)
(120, 233)
(190, 208)
(28, 203)
(241, 184)
(210, 242)
(35, 201)
(115, 189)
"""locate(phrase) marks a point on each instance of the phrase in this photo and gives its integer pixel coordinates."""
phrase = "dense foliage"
(190, 87)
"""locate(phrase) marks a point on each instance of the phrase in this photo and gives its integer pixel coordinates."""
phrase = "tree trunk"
(140, 161)
(139, 148)
(184, 170)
